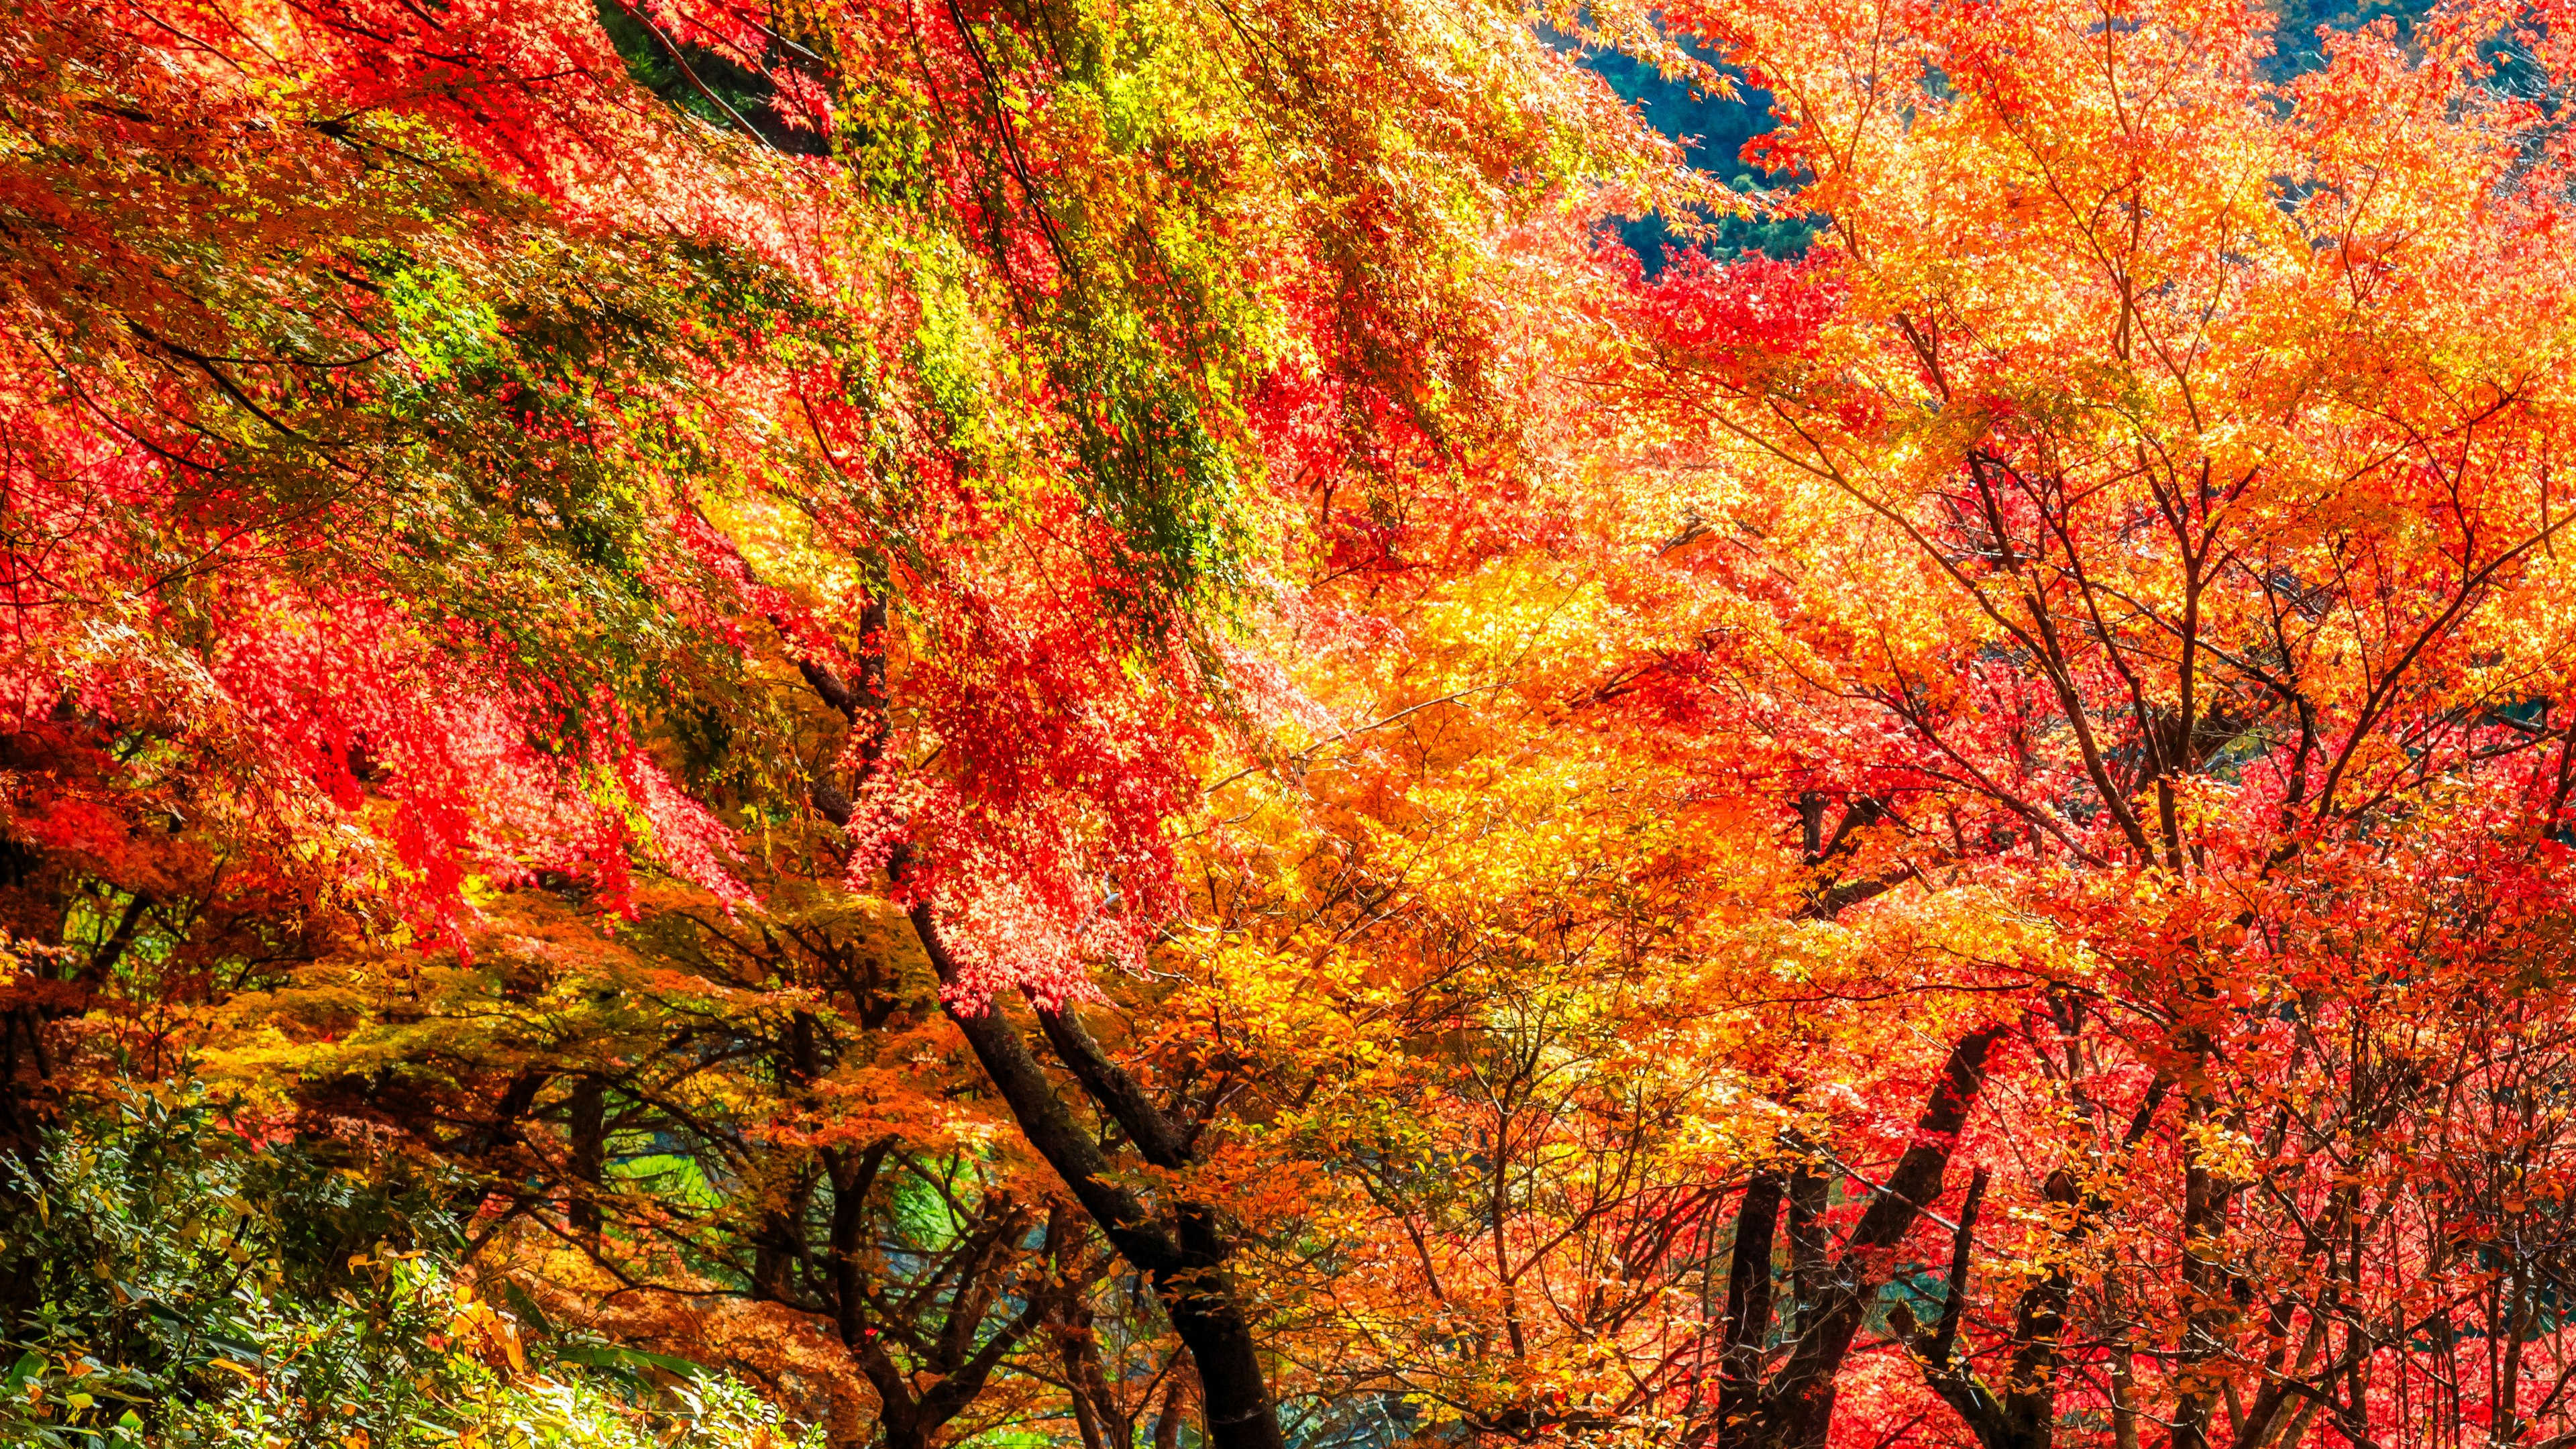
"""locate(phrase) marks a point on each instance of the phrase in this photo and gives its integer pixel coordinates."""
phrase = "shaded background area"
(1713, 131)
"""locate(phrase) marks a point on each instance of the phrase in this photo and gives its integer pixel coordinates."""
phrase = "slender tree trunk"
(1167, 1424)
(1186, 1264)
(1748, 1302)
(1186, 1261)
(852, 1180)
(587, 1122)
(2204, 1227)
(1797, 1406)
(2124, 1399)
(1095, 1413)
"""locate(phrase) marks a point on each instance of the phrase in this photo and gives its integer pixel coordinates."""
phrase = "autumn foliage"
(940, 722)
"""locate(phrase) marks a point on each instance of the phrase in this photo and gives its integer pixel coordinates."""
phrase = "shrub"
(166, 1281)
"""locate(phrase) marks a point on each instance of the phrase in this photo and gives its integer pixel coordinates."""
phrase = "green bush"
(165, 1281)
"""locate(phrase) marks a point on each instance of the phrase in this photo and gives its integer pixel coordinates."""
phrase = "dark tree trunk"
(587, 1120)
(1186, 1259)
(1794, 1409)
(1186, 1263)
(1748, 1302)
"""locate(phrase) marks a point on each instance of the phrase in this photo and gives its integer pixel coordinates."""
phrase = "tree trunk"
(587, 1122)
(1796, 1408)
(1748, 1301)
(1187, 1266)
(1186, 1263)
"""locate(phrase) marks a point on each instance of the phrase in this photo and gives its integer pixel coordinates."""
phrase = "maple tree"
(2144, 501)
(1497, 965)
(442, 470)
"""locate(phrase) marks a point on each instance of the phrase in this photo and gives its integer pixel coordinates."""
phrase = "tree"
(537, 444)
(2151, 481)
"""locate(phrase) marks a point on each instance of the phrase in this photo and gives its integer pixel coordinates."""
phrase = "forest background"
(1252, 722)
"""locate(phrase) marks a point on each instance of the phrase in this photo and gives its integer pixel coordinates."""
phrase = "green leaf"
(613, 1356)
(29, 1364)
(526, 1308)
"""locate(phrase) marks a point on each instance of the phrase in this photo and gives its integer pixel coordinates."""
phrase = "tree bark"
(1186, 1261)
(1796, 1407)
(1748, 1301)
(1187, 1264)
(587, 1119)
